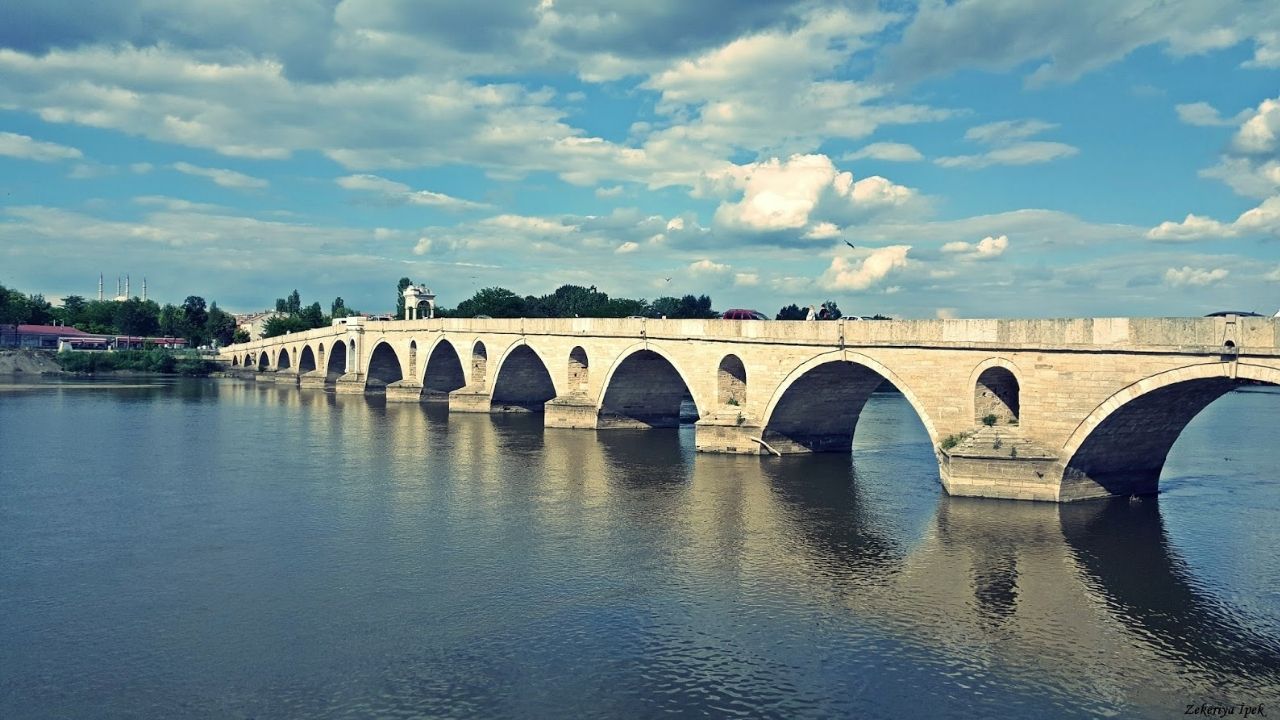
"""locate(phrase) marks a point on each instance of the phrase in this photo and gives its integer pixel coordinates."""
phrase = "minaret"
(126, 287)
(99, 287)
(144, 288)
(117, 286)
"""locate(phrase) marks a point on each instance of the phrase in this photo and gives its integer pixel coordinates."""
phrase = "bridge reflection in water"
(1090, 598)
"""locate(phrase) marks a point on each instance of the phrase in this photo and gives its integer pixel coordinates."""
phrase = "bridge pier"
(728, 432)
(470, 399)
(350, 384)
(316, 379)
(570, 411)
(404, 391)
(1001, 463)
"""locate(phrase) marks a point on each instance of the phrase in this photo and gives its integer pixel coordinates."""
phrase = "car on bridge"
(742, 314)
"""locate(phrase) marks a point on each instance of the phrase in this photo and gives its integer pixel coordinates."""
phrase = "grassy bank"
(162, 362)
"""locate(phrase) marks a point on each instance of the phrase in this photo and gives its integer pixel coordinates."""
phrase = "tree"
(99, 316)
(73, 307)
(313, 316)
(13, 307)
(39, 310)
(339, 308)
(664, 307)
(691, 307)
(494, 302)
(172, 323)
(833, 312)
(282, 306)
(792, 312)
(221, 326)
(294, 305)
(400, 288)
(195, 317)
(241, 336)
(137, 317)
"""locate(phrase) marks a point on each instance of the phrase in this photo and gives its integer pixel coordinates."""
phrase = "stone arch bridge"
(1053, 410)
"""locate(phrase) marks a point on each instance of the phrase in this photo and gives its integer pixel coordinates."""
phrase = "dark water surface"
(218, 549)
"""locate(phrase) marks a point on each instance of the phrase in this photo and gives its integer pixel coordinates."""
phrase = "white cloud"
(397, 193)
(823, 231)
(26, 148)
(141, 168)
(1202, 114)
(985, 249)
(707, 267)
(886, 151)
(608, 192)
(1263, 219)
(1194, 277)
(627, 247)
(1004, 132)
(1194, 227)
(1274, 275)
(220, 176)
(1024, 153)
(1258, 134)
(1266, 53)
(945, 313)
(786, 195)
(746, 279)
(843, 275)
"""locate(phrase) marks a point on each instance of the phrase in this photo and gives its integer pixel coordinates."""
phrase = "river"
(216, 548)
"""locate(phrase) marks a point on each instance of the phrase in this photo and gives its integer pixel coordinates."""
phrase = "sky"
(983, 158)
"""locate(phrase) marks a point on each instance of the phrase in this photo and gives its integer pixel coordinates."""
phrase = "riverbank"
(28, 362)
(131, 363)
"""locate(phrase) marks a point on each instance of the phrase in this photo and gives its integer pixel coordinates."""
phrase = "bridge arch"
(264, 362)
(413, 359)
(816, 407)
(479, 363)
(384, 366)
(644, 388)
(443, 371)
(731, 381)
(320, 363)
(579, 371)
(336, 364)
(235, 361)
(282, 360)
(307, 362)
(522, 381)
(996, 391)
(1121, 447)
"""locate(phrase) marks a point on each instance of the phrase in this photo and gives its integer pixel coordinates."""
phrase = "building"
(42, 337)
(255, 324)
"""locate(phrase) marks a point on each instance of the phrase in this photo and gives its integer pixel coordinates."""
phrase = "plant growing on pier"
(989, 419)
(732, 401)
(1013, 453)
(951, 441)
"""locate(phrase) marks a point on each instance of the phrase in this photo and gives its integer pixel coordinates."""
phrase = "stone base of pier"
(317, 379)
(570, 411)
(728, 432)
(404, 391)
(995, 463)
(349, 384)
(469, 399)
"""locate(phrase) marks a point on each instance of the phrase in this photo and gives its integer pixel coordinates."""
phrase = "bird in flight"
(668, 279)
(846, 242)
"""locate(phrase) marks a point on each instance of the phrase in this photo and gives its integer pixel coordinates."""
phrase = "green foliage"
(295, 318)
(240, 336)
(989, 419)
(339, 309)
(1013, 452)
(495, 302)
(401, 286)
(792, 312)
(833, 310)
(732, 401)
(221, 326)
(151, 361)
(951, 441)
(137, 317)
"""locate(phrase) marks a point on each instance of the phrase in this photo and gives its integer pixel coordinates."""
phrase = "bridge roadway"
(1053, 410)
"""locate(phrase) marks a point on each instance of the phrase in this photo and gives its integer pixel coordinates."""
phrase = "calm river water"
(222, 549)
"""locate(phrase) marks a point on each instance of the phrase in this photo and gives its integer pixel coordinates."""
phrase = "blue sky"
(985, 158)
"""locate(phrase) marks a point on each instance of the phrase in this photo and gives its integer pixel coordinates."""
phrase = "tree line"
(198, 323)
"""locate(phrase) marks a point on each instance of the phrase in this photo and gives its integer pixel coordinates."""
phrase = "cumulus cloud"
(1263, 219)
(746, 279)
(1202, 114)
(1187, 276)
(846, 275)
(1274, 275)
(608, 192)
(823, 231)
(708, 267)
(987, 248)
(26, 148)
(787, 195)
(1259, 132)
(221, 176)
(627, 247)
(886, 151)
(396, 193)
